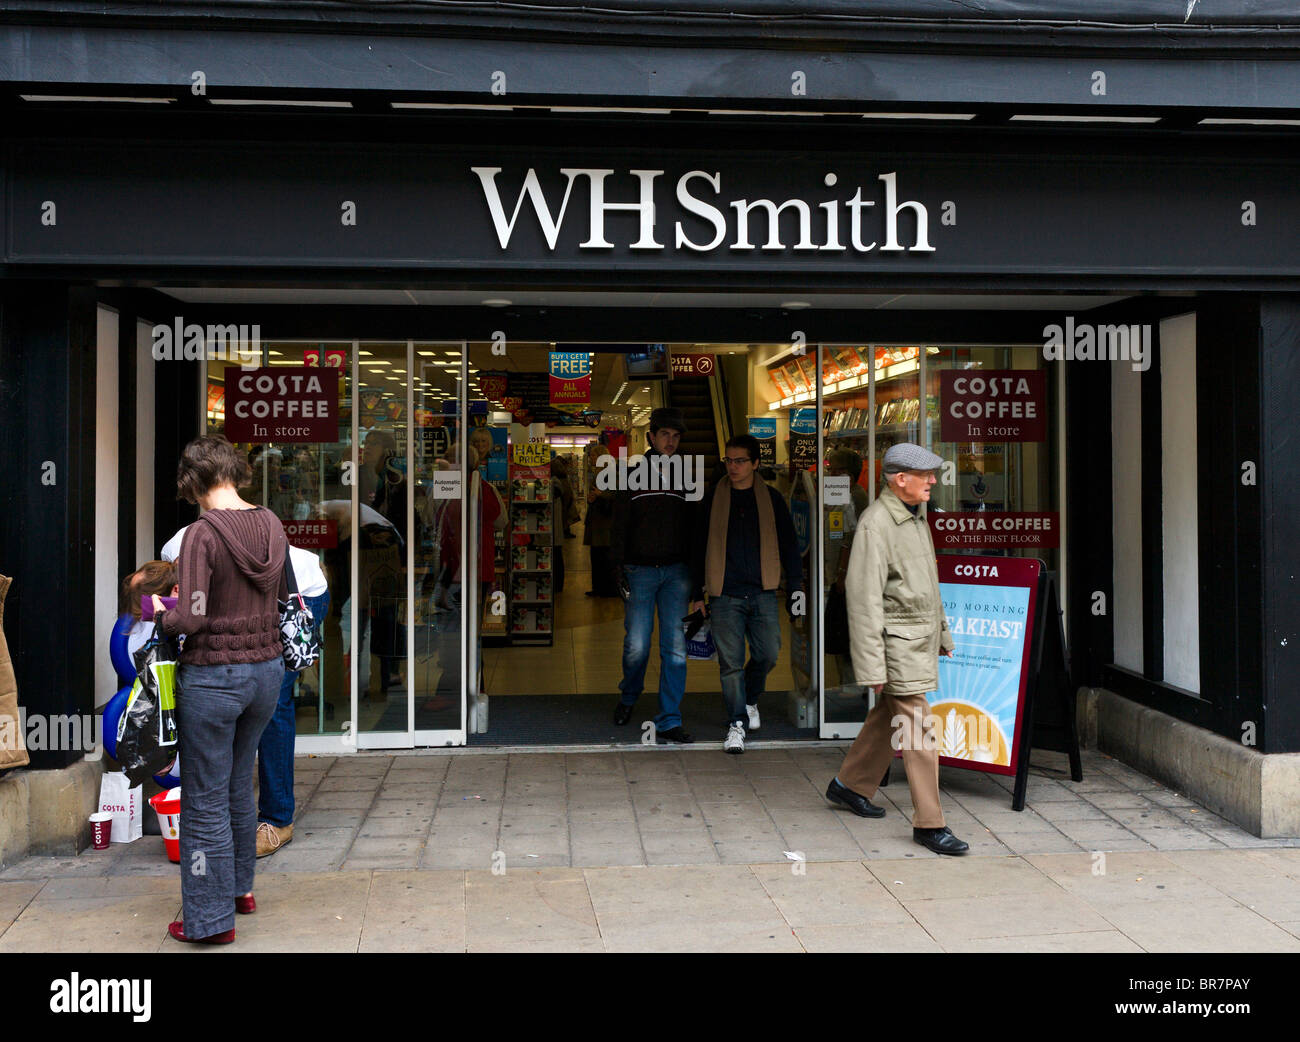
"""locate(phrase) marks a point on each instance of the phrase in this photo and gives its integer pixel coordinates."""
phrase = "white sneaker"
(753, 717)
(735, 742)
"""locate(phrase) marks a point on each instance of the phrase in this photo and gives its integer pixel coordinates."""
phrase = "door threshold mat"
(589, 720)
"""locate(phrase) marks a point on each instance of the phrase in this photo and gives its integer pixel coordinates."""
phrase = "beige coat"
(897, 625)
(13, 752)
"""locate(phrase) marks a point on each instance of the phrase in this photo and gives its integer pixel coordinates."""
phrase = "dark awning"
(1103, 56)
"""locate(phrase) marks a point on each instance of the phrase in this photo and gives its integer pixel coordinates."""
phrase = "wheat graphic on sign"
(954, 736)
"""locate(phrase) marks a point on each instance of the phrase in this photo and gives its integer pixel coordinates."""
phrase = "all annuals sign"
(282, 403)
(570, 382)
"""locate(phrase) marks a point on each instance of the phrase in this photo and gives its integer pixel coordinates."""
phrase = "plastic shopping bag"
(699, 643)
(147, 738)
(126, 803)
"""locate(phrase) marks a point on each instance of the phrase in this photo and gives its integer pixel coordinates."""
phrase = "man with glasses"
(649, 550)
(897, 630)
(748, 537)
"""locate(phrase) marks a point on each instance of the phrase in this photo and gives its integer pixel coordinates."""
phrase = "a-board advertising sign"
(979, 709)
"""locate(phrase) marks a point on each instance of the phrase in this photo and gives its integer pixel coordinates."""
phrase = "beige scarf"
(715, 560)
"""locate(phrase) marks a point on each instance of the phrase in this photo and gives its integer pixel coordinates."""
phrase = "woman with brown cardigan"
(231, 571)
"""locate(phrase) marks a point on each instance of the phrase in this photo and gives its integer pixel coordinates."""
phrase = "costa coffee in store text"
(282, 405)
(697, 191)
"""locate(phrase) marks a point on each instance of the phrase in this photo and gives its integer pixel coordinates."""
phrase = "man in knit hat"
(897, 630)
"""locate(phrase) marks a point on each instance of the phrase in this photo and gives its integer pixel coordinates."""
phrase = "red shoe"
(177, 930)
(245, 905)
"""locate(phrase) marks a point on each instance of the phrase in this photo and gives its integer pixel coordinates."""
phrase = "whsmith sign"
(474, 209)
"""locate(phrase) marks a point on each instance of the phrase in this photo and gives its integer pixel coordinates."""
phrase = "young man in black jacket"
(649, 552)
(746, 538)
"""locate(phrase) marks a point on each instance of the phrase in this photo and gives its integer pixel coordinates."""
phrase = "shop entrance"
(556, 416)
(464, 535)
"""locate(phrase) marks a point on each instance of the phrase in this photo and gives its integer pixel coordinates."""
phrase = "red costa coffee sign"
(282, 403)
(986, 530)
(312, 535)
(993, 405)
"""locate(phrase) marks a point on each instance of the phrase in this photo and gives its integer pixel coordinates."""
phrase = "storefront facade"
(1142, 268)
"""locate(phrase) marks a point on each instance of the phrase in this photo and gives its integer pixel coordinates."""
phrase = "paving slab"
(1091, 941)
(297, 912)
(865, 937)
(1251, 882)
(968, 877)
(843, 893)
(526, 910)
(414, 912)
(17, 895)
(954, 919)
(718, 909)
(94, 924)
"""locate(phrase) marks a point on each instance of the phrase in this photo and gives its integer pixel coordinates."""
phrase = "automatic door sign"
(282, 404)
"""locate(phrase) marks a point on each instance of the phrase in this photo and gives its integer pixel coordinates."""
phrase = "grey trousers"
(221, 712)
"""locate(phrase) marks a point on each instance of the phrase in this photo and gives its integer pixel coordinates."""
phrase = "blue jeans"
(733, 619)
(667, 587)
(221, 711)
(275, 751)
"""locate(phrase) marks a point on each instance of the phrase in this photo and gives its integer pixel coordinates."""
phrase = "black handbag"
(837, 623)
(297, 627)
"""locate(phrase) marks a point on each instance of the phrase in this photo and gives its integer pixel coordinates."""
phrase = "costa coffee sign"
(693, 365)
(282, 403)
(312, 535)
(993, 405)
(986, 530)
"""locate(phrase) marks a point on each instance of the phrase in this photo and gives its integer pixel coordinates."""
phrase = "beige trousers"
(870, 755)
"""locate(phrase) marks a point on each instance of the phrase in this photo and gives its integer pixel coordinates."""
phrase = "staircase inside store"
(691, 395)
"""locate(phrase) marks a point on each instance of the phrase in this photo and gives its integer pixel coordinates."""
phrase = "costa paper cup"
(101, 829)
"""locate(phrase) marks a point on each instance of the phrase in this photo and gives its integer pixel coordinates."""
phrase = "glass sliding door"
(380, 508)
(410, 614)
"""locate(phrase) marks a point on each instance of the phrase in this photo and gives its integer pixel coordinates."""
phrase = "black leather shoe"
(941, 841)
(674, 734)
(860, 805)
(622, 714)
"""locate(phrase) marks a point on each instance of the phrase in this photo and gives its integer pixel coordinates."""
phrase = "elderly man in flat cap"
(897, 630)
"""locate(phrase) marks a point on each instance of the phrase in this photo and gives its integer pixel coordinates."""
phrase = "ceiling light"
(1034, 118)
(1252, 122)
(795, 305)
(89, 97)
(496, 302)
(918, 115)
(282, 101)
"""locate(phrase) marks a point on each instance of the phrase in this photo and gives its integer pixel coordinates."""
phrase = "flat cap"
(667, 416)
(907, 456)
